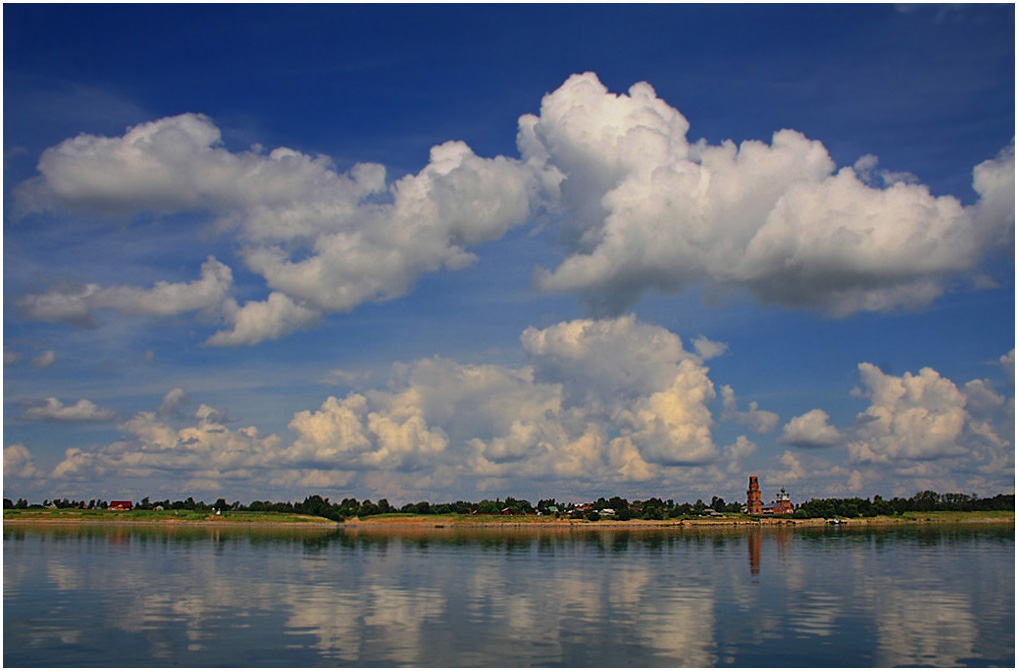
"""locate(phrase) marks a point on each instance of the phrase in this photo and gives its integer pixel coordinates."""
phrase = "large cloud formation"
(926, 417)
(639, 207)
(323, 241)
(599, 403)
(608, 405)
(646, 208)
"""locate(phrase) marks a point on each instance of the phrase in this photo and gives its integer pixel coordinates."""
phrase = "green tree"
(367, 509)
(486, 507)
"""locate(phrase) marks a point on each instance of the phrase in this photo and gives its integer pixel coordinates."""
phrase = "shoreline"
(169, 523)
(666, 524)
(460, 522)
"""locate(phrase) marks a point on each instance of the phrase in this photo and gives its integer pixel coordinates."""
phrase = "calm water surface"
(156, 596)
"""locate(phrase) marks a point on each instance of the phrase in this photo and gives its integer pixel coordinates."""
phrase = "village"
(614, 508)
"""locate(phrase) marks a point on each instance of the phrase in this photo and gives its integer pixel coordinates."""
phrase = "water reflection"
(199, 596)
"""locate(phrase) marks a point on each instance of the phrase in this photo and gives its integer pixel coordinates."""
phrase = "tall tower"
(754, 504)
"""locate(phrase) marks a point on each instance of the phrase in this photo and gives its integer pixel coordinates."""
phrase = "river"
(125, 596)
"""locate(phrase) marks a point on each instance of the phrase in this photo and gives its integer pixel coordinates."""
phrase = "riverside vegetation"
(927, 505)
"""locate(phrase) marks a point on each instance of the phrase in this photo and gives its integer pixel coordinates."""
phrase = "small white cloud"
(45, 359)
(810, 430)
(172, 401)
(82, 411)
(18, 462)
(11, 357)
(709, 349)
(163, 299)
(761, 421)
(339, 376)
(270, 319)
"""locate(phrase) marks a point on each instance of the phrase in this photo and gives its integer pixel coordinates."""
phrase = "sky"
(542, 251)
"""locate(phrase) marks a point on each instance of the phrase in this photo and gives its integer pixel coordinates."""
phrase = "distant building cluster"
(754, 501)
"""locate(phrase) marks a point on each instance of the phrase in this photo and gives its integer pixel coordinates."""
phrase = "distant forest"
(615, 507)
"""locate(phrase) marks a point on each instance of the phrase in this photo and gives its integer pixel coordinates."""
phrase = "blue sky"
(445, 252)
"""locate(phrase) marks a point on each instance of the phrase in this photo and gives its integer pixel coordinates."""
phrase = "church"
(754, 501)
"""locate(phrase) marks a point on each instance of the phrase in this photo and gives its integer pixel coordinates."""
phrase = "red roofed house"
(120, 505)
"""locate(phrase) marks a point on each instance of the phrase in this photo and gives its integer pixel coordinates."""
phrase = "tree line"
(619, 507)
(926, 501)
(652, 508)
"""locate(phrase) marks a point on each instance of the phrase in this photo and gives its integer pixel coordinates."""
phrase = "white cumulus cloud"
(256, 321)
(810, 430)
(929, 429)
(163, 299)
(203, 450)
(172, 401)
(18, 462)
(323, 241)
(709, 349)
(639, 205)
(646, 208)
(52, 409)
(598, 401)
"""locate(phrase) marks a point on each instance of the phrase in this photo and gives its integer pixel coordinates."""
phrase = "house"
(120, 505)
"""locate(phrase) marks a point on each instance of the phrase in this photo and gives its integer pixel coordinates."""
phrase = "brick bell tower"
(754, 504)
